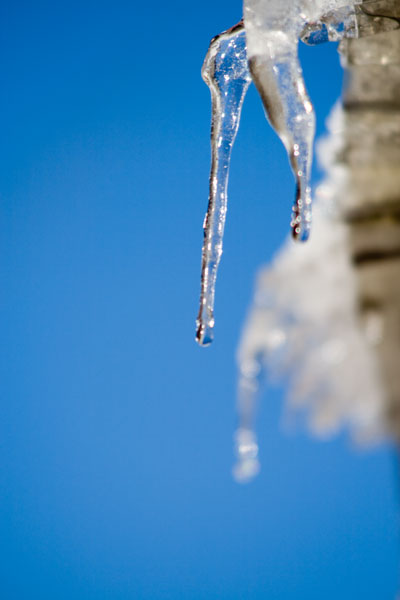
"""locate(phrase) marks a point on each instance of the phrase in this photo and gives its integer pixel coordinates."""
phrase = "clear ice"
(226, 73)
(265, 49)
(273, 30)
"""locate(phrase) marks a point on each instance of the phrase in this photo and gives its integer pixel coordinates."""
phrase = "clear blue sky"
(115, 428)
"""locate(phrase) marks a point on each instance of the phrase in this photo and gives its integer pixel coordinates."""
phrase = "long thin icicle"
(226, 73)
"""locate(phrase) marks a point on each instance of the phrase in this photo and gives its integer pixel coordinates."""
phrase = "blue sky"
(115, 428)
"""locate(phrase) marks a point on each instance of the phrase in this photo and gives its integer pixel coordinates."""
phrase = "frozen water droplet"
(226, 73)
(273, 30)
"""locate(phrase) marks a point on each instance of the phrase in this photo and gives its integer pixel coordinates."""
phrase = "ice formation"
(272, 30)
(226, 73)
(264, 49)
(317, 340)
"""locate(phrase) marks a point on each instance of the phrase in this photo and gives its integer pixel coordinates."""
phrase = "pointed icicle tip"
(204, 334)
(226, 72)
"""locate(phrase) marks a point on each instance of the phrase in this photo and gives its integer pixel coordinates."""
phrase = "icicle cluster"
(263, 48)
(314, 334)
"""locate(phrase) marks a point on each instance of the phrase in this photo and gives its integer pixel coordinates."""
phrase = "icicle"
(226, 72)
(273, 29)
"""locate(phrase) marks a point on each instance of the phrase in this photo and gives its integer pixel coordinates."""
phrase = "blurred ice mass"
(325, 315)
(304, 324)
